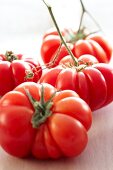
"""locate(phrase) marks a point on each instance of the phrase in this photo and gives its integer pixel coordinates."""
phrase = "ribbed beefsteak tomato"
(93, 82)
(79, 43)
(16, 69)
(36, 119)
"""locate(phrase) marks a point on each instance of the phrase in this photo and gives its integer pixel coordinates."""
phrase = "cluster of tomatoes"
(89, 75)
(48, 112)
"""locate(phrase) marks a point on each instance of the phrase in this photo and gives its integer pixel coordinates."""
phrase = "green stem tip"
(42, 109)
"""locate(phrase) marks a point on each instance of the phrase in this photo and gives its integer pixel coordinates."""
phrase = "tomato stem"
(60, 34)
(84, 10)
(42, 109)
(29, 74)
(10, 56)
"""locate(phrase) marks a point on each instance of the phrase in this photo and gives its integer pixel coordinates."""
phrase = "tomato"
(15, 69)
(38, 120)
(93, 83)
(80, 44)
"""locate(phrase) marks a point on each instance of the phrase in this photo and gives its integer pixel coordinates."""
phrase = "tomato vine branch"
(84, 10)
(59, 32)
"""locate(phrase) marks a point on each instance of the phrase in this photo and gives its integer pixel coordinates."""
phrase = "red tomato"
(15, 69)
(94, 44)
(93, 83)
(36, 119)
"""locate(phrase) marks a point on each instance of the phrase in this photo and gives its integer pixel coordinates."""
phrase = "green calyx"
(79, 36)
(29, 74)
(42, 109)
(10, 56)
(72, 37)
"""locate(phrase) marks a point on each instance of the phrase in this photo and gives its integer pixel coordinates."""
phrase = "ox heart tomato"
(93, 83)
(15, 69)
(36, 119)
(79, 43)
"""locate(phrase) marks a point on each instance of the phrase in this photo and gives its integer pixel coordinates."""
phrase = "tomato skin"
(90, 47)
(97, 87)
(103, 43)
(6, 78)
(70, 129)
(19, 77)
(49, 47)
(63, 52)
(15, 72)
(107, 72)
(52, 78)
(77, 112)
(93, 83)
(19, 138)
(13, 137)
(94, 44)
(39, 149)
(51, 31)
